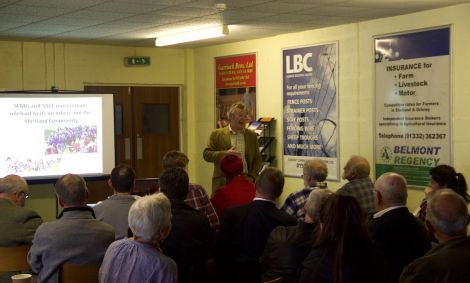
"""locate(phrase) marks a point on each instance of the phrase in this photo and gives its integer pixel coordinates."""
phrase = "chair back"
(14, 258)
(78, 273)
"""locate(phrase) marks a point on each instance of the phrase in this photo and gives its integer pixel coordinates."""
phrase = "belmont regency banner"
(412, 104)
(310, 99)
(235, 81)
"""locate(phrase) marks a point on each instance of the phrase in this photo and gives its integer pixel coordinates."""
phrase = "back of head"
(11, 184)
(174, 183)
(446, 176)
(359, 166)
(270, 183)
(148, 215)
(315, 201)
(316, 169)
(174, 158)
(448, 213)
(392, 188)
(122, 178)
(342, 222)
(71, 190)
(231, 166)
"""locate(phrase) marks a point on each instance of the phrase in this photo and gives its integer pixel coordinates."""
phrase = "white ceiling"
(138, 22)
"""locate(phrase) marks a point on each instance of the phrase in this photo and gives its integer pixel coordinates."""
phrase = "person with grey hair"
(401, 236)
(314, 174)
(233, 139)
(75, 237)
(245, 229)
(288, 246)
(360, 186)
(18, 222)
(128, 260)
(447, 217)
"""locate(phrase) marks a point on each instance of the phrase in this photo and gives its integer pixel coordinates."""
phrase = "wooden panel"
(14, 258)
(122, 97)
(155, 145)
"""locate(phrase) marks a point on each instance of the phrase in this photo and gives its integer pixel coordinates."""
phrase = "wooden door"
(146, 125)
(156, 121)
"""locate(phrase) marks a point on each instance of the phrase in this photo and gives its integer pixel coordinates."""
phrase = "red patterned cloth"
(197, 198)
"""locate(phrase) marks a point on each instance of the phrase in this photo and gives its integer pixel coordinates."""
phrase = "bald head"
(357, 167)
(392, 190)
(14, 188)
(71, 190)
(447, 212)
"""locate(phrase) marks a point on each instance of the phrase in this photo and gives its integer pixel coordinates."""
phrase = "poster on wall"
(412, 103)
(235, 81)
(310, 107)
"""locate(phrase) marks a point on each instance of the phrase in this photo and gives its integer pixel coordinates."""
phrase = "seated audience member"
(401, 236)
(18, 223)
(197, 197)
(287, 247)
(360, 186)
(114, 209)
(443, 177)
(314, 175)
(140, 259)
(245, 229)
(342, 252)
(190, 239)
(238, 189)
(447, 217)
(75, 237)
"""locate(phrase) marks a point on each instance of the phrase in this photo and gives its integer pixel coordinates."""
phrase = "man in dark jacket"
(190, 238)
(401, 236)
(245, 229)
(287, 247)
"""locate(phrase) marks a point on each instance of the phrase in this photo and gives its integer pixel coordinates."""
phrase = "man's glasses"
(26, 194)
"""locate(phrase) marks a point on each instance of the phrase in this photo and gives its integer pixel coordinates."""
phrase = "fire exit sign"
(137, 61)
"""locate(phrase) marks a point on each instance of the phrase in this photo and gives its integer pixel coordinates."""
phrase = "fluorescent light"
(194, 35)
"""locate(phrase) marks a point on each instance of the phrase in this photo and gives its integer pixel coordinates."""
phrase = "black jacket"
(189, 242)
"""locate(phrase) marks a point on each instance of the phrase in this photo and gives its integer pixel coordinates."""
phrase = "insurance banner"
(310, 107)
(235, 81)
(412, 103)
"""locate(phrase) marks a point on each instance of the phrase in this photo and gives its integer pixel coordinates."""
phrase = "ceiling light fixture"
(193, 35)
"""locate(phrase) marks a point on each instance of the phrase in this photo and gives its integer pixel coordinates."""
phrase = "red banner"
(235, 72)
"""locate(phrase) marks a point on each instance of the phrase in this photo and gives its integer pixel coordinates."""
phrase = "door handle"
(127, 149)
(139, 148)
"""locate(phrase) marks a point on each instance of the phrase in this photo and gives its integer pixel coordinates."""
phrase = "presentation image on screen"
(48, 135)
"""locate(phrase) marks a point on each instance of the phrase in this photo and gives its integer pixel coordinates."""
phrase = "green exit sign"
(137, 61)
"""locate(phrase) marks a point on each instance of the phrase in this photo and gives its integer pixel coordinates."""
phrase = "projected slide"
(51, 136)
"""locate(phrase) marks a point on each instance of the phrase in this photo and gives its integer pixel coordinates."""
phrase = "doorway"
(146, 125)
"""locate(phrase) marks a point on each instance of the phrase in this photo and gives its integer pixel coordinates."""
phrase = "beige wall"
(31, 65)
(39, 65)
(356, 84)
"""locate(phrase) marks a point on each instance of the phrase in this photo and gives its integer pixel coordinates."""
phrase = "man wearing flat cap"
(238, 189)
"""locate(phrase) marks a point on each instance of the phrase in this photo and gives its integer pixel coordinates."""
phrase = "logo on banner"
(386, 154)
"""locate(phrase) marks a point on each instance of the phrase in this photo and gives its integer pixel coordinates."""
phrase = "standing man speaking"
(233, 139)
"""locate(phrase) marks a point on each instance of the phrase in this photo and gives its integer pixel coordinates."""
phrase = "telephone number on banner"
(419, 136)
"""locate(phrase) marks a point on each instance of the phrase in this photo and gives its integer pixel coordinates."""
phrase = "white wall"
(356, 85)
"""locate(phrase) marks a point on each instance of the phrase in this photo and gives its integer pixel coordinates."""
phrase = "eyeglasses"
(26, 194)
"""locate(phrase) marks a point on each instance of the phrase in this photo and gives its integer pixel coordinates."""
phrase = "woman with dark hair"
(443, 177)
(342, 252)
